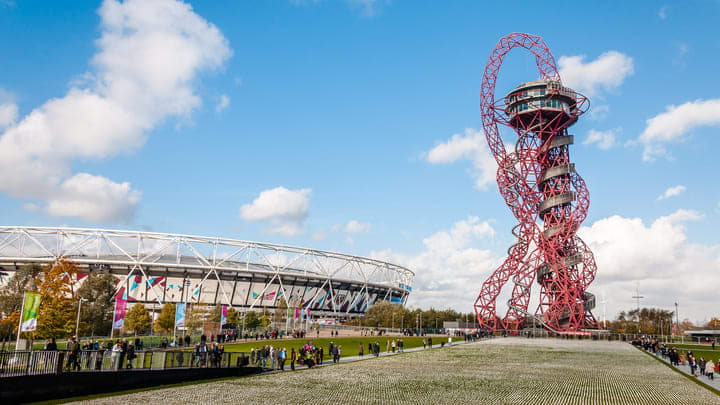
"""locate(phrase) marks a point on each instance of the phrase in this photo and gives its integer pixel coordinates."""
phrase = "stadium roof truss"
(157, 267)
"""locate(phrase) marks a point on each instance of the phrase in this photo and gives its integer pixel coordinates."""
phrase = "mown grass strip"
(688, 376)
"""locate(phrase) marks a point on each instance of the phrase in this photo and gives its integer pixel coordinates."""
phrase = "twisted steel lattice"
(538, 181)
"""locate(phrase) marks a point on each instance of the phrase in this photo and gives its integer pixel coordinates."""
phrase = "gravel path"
(498, 371)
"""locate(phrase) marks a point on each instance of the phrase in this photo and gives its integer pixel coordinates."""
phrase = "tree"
(195, 317)
(166, 320)
(252, 320)
(26, 278)
(57, 312)
(714, 323)
(233, 316)
(97, 311)
(137, 319)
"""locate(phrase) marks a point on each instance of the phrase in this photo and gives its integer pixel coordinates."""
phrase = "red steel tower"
(545, 194)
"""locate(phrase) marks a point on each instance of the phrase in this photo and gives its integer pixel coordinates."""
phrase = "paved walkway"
(686, 370)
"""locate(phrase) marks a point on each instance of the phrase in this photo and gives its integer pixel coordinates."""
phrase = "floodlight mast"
(538, 181)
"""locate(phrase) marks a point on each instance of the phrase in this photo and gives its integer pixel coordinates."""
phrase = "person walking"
(424, 343)
(293, 357)
(283, 356)
(393, 345)
(130, 356)
(360, 350)
(387, 348)
(252, 356)
(710, 369)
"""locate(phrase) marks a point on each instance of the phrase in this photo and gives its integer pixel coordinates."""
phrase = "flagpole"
(22, 311)
(112, 325)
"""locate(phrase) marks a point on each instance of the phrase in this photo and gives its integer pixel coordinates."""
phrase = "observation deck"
(547, 98)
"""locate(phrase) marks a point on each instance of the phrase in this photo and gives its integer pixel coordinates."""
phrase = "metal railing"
(22, 363)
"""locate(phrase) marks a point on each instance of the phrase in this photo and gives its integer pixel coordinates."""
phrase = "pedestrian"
(710, 369)
(130, 355)
(430, 342)
(360, 350)
(393, 345)
(73, 348)
(401, 346)
(387, 348)
(283, 356)
(424, 343)
(115, 356)
(293, 357)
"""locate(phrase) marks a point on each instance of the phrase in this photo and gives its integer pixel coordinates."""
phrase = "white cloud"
(450, 270)
(319, 235)
(453, 265)
(8, 114)
(284, 209)
(603, 139)
(671, 192)
(675, 122)
(608, 72)
(354, 226)
(470, 146)
(599, 112)
(149, 55)
(31, 207)
(94, 198)
(662, 13)
(366, 8)
(223, 103)
(668, 266)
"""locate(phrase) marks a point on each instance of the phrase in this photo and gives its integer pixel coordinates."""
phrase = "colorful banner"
(297, 313)
(179, 314)
(223, 318)
(31, 306)
(119, 317)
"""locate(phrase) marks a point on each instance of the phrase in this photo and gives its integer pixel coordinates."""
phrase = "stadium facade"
(155, 267)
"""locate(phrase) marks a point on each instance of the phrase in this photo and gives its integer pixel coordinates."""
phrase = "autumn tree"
(195, 317)
(233, 316)
(97, 311)
(26, 278)
(57, 309)
(713, 324)
(166, 320)
(137, 319)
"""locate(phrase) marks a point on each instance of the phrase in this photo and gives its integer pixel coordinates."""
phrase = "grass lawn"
(349, 345)
(703, 351)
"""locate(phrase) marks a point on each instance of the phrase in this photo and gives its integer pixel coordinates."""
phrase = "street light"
(393, 320)
(77, 323)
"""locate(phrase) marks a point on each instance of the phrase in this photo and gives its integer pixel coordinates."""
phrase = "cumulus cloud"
(149, 55)
(223, 103)
(94, 198)
(659, 255)
(602, 139)
(283, 209)
(469, 146)
(354, 226)
(673, 124)
(454, 263)
(450, 270)
(607, 72)
(671, 192)
(8, 114)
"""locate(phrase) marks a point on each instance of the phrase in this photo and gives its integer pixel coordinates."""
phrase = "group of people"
(204, 352)
(698, 367)
(272, 356)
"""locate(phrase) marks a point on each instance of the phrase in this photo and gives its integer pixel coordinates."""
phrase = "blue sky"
(341, 104)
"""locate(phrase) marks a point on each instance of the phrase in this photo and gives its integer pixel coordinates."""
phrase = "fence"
(23, 363)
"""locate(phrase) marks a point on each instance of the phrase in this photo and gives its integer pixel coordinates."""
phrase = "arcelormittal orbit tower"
(545, 194)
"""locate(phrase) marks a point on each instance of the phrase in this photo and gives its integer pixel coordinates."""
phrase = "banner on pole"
(180, 314)
(31, 307)
(223, 318)
(297, 313)
(119, 316)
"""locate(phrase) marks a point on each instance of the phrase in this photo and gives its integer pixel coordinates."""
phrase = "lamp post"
(77, 322)
(393, 320)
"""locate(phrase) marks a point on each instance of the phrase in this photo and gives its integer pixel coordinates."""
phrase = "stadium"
(156, 268)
